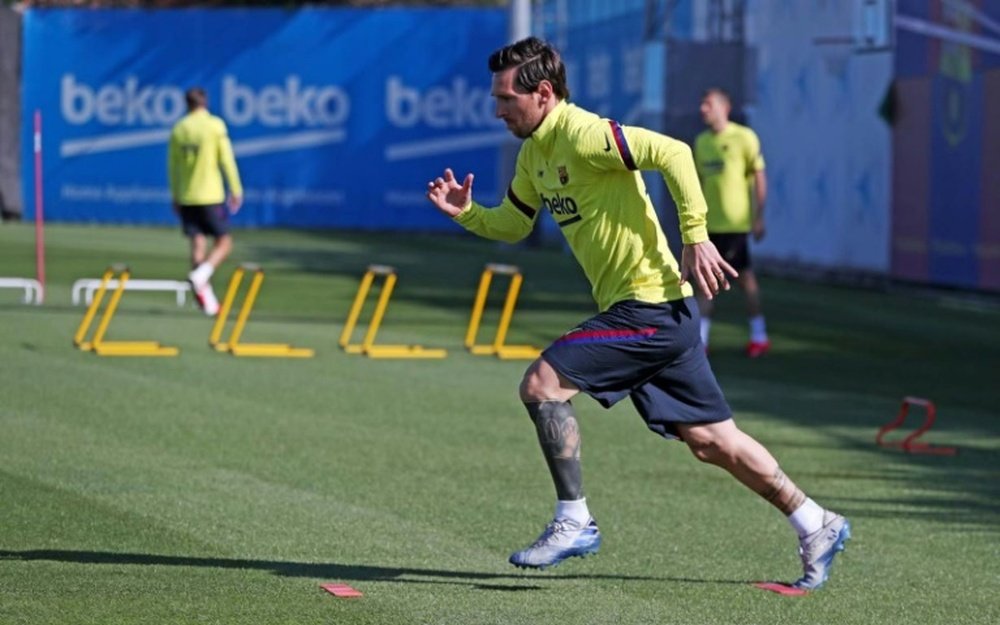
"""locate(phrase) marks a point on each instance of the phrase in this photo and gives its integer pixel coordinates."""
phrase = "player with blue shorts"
(644, 343)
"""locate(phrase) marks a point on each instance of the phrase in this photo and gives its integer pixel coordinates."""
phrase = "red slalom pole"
(39, 209)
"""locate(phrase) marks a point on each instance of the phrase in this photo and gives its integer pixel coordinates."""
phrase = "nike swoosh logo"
(607, 144)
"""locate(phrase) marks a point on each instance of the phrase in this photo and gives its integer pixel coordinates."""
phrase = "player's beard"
(518, 130)
(523, 128)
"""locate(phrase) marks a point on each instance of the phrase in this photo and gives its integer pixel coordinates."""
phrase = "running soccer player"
(731, 168)
(644, 343)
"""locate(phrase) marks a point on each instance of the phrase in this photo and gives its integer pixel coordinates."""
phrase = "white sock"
(574, 510)
(202, 273)
(807, 518)
(758, 329)
(209, 301)
(706, 326)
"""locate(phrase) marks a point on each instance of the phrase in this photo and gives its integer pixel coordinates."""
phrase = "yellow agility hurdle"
(97, 344)
(498, 347)
(233, 345)
(367, 346)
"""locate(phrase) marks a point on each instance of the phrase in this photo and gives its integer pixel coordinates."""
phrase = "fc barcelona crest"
(563, 174)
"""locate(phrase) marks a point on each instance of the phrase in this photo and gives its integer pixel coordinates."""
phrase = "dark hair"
(719, 93)
(535, 61)
(195, 98)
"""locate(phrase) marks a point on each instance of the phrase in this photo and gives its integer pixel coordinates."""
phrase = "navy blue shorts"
(649, 352)
(733, 247)
(212, 220)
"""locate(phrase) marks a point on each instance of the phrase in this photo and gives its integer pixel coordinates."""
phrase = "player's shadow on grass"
(360, 573)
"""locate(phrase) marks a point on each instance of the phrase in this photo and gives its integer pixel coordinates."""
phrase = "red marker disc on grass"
(341, 590)
(781, 589)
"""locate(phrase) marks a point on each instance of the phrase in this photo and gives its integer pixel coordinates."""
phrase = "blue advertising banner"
(604, 66)
(338, 118)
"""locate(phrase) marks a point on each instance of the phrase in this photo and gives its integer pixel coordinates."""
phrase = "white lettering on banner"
(438, 107)
(114, 194)
(133, 194)
(128, 104)
(291, 104)
(154, 108)
(295, 196)
(138, 194)
(81, 193)
(131, 103)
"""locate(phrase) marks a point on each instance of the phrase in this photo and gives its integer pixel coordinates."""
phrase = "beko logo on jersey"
(558, 205)
(454, 106)
(291, 104)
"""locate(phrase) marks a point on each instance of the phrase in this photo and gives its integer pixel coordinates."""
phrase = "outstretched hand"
(702, 263)
(448, 195)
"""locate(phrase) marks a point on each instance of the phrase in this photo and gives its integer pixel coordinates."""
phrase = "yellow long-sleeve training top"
(727, 162)
(199, 147)
(584, 170)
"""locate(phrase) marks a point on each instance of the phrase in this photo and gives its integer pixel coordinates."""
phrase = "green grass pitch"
(211, 489)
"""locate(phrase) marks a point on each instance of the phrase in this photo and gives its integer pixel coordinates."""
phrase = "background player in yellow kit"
(644, 343)
(731, 169)
(199, 154)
